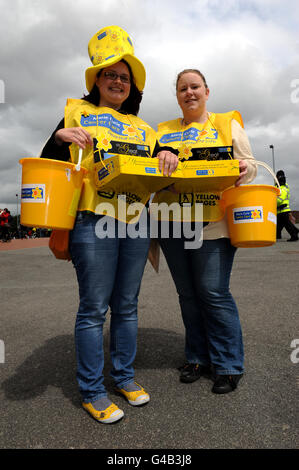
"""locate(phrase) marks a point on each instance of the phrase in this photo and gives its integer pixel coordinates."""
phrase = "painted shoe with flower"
(104, 411)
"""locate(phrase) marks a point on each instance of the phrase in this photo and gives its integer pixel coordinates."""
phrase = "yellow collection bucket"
(251, 213)
(51, 191)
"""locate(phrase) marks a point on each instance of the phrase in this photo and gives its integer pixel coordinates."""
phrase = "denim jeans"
(109, 273)
(209, 312)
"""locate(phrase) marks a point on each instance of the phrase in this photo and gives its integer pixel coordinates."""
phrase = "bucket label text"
(33, 193)
(243, 215)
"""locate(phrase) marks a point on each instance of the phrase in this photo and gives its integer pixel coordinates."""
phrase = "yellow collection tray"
(206, 175)
(121, 172)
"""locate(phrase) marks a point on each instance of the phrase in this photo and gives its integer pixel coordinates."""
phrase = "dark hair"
(129, 106)
(190, 71)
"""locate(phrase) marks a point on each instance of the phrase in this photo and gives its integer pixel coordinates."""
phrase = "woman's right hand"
(77, 135)
(168, 162)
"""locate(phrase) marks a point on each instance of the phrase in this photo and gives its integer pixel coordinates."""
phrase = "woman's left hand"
(243, 171)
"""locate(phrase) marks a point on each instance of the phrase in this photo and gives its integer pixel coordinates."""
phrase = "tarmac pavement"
(40, 405)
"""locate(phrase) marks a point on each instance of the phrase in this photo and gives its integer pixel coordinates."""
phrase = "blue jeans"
(210, 315)
(109, 273)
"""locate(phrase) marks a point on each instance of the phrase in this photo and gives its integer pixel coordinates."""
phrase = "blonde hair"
(191, 71)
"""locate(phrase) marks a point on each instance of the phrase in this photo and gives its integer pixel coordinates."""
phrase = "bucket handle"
(78, 166)
(263, 164)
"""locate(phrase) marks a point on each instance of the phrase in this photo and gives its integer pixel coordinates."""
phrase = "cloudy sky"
(247, 49)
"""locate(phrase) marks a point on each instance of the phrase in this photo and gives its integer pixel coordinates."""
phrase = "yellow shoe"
(107, 416)
(136, 398)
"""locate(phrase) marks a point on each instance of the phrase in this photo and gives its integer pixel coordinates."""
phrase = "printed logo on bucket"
(243, 215)
(33, 193)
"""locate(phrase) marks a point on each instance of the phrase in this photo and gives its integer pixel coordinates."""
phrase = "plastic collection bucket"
(251, 213)
(51, 191)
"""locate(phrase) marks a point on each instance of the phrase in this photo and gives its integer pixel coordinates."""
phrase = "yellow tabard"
(112, 133)
(212, 139)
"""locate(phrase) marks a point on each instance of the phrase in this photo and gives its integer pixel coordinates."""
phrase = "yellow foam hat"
(107, 47)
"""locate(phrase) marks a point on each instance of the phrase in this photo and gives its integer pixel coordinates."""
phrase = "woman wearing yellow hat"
(109, 270)
(201, 275)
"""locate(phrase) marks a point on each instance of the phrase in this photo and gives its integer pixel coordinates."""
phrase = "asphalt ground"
(40, 405)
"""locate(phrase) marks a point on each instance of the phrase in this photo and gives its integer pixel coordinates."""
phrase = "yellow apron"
(112, 133)
(209, 141)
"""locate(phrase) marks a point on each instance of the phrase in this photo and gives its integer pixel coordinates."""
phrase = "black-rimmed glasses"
(114, 76)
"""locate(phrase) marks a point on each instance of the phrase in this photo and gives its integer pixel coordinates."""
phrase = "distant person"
(284, 211)
(1, 211)
(5, 220)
